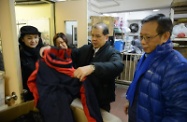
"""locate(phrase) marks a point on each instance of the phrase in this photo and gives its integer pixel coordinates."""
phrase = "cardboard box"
(109, 21)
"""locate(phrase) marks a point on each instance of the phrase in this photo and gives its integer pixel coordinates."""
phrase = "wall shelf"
(180, 39)
(182, 47)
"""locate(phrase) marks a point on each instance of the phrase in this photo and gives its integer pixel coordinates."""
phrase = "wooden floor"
(117, 107)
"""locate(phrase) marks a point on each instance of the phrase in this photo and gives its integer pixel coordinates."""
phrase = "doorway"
(71, 32)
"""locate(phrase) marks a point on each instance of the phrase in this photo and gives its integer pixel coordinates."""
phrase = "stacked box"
(109, 21)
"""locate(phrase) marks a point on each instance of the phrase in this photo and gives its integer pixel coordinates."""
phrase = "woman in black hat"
(30, 43)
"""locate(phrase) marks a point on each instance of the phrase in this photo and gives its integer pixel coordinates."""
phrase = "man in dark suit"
(100, 61)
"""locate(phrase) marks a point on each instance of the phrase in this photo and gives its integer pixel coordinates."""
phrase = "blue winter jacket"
(162, 88)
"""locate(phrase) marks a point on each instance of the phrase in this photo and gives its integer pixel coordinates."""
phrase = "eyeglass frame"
(147, 38)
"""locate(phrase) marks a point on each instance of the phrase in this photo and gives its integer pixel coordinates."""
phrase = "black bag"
(32, 116)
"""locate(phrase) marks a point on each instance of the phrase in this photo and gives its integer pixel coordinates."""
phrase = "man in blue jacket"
(158, 92)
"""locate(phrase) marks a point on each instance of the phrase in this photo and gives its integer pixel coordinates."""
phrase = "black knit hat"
(28, 30)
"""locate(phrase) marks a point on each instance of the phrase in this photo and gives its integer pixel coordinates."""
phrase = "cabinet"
(180, 44)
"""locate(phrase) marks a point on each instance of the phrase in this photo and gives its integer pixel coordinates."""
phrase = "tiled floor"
(117, 107)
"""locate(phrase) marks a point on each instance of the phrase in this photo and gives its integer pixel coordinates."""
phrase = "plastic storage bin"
(119, 45)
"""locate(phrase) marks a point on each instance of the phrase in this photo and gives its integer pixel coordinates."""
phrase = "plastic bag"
(179, 31)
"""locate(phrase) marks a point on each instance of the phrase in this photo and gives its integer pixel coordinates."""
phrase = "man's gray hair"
(103, 26)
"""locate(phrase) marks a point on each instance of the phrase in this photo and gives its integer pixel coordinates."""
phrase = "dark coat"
(108, 65)
(28, 58)
(54, 88)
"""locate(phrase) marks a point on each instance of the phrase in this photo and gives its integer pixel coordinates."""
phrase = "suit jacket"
(108, 65)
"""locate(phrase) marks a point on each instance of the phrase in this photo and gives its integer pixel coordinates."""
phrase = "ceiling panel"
(115, 6)
(100, 4)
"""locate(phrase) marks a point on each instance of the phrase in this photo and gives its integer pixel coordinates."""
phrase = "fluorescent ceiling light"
(156, 10)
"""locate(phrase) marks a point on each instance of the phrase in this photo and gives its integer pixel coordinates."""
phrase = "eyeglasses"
(148, 38)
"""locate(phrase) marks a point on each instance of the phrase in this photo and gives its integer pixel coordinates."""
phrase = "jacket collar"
(164, 48)
(103, 47)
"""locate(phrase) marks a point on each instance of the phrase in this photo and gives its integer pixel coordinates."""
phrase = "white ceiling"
(117, 6)
(114, 6)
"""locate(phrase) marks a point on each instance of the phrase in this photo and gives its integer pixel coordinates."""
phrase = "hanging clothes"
(54, 88)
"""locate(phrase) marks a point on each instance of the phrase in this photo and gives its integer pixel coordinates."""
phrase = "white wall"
(138, 15)
(31, 13)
